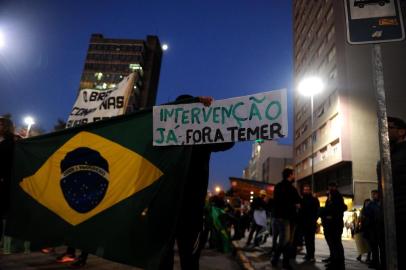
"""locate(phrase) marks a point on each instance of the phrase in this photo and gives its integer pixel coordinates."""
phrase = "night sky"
(221, 48)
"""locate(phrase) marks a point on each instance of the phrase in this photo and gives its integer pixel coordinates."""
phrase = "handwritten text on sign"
(259, 116)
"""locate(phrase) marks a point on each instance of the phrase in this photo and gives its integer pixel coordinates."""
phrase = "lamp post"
(309, 87)
(29, 121)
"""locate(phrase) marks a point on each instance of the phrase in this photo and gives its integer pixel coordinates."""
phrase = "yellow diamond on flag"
(88, 175)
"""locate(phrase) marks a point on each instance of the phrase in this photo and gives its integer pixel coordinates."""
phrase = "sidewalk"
(258, 258)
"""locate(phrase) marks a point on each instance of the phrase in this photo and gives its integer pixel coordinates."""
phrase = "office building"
(345, 129)
(109, 60)
(268, 159)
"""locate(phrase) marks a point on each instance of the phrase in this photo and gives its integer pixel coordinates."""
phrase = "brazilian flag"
(103, 188)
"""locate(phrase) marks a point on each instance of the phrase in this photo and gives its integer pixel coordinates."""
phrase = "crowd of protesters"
(289, 217)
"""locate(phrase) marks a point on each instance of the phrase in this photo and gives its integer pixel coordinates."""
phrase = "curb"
(242, 259)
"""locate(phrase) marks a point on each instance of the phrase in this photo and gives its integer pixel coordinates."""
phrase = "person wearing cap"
(258, 207)
(6, 152)
(190, 221)
(286, 202)
(332, 218)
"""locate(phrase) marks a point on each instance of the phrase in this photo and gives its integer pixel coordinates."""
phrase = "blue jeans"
(284, 229)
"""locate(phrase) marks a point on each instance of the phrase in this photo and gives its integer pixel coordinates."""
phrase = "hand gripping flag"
(102, 188)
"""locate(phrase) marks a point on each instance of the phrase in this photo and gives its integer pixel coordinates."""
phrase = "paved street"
(251, 258)
(210, 260)
(259, 258)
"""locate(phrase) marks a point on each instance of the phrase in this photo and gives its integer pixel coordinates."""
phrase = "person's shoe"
(274, 262)
(373, 266)
(287, 266)
(326, 260)
(359, 258)
(48, 250)
(78, 263)
(64, 258)
(310, 260)
(335, 266)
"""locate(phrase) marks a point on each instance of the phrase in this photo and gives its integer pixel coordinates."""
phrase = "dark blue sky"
(222, 48)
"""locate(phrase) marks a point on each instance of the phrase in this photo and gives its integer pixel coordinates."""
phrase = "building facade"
(268, 159)
(109, 60)
(345, 130)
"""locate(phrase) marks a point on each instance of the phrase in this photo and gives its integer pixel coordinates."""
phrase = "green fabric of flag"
(102, 188)
(222, 237)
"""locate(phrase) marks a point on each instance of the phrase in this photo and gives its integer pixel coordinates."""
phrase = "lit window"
(134, 67)
(98, 75)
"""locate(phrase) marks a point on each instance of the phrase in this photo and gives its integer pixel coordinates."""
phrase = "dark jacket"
(309, 211)
(285, 200)
(197, 177)
(398, 160)
(333, 212)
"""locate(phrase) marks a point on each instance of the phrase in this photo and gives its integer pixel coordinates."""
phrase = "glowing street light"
(217, 189)
(165, 47)
(309, 87)
(2, 40)
(29, 121)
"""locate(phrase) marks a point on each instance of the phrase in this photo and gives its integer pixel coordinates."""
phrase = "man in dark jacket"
(190, 222)
(308, 215)
(286, 203)
(332, 218)
(371, 227)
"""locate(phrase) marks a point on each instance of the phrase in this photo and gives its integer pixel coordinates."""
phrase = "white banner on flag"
(93, 104)
(258, 116)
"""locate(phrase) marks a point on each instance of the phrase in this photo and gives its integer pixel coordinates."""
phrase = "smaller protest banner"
(258, 116)
(94, 104)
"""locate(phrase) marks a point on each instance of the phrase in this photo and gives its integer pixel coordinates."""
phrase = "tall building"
(344, 132)
(109, 60)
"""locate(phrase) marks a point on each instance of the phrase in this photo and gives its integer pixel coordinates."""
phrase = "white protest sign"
(93, 104)
(258, 116)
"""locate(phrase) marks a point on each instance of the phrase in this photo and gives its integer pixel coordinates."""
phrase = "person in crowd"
(397, 137)
(286, 203)
(258, 207)
(6, 157)
(190, 220)
(362, 234)
(239, 229)
(308, 215)
(332, 218)
(397, 140)
(372, 230)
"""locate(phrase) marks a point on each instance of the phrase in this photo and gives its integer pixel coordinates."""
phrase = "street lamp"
(165, 47)
(29, 121)
(217, 189)
(309, 87)
(2, 40)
